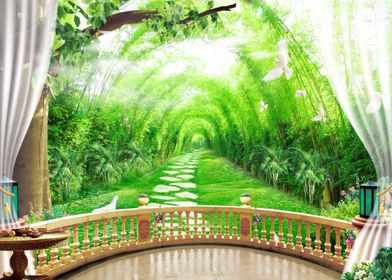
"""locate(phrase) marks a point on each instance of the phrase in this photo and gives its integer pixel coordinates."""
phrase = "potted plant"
(245, 199)
(143, 199)
(350, 237)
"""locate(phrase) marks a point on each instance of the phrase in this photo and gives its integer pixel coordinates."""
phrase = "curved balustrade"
(97, 236)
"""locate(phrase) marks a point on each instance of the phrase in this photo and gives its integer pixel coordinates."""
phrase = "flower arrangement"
(362, 271)
(256, 219)
(158, 218)
(350, 236)
(351, 194)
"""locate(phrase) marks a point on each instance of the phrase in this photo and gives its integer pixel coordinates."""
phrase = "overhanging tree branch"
(118, 20)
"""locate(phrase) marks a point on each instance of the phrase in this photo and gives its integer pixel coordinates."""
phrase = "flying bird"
(281, 63)
(263, 106)
(109, 207)
(320, 116)
(376, 100)
(301, 93)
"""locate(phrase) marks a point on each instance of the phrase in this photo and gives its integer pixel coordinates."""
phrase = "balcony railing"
(97, 236)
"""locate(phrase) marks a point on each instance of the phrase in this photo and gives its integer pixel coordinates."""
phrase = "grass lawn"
(218, 182)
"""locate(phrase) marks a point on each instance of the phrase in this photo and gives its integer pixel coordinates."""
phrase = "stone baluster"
(264, 240)
(281, 235)
(327, 245)
(123, 242)
(219, 227)
(65, 258)
(75, 246)
(203, 224)
(163, 228)
(155, 237)
(338, 249)
(308, 240)
(96, 240)
(114, 243)
(348, 249)
(171, 229)
(290, 244)
(227, 235)
(235, 228)
(255, 233)
(179, 227)
(272, 232)
(211, 234)
(86, 241)
(187, 235)
(317, 251)
(42, 267)
(298, 245)
(105, 236)
(54, 261)
(195, 225)
(132, 240)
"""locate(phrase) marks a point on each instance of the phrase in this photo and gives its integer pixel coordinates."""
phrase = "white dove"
(263, 106)
(320, 116)
(301, 93)
(377, 99)
(281, 63)
(109, 207)
(276, 238)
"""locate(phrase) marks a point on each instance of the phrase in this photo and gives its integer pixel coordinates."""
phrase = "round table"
(19, 245)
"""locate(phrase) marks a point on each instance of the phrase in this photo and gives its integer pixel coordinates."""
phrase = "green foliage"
(345, 210)
(179, 19)
(382, 268)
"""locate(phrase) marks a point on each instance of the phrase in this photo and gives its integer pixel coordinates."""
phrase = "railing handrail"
(91, 217)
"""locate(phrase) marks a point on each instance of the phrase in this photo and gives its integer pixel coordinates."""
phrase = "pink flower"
(352, 189)
(343, 193)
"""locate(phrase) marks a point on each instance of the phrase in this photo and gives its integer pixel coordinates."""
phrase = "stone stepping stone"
(183, 203)
(187, 170)
(186, 176)
(171, 172)
(165, 189)
(163, 197)
(187, 195)
(169, 179)
(190, 166)
(176, 166)
(185, 185)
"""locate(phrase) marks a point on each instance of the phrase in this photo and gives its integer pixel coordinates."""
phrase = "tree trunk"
(31, 169)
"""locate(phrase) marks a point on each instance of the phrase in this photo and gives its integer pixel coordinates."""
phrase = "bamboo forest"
(264, 124)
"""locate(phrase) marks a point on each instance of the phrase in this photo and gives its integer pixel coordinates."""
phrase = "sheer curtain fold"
(355, 48)
(26, 36)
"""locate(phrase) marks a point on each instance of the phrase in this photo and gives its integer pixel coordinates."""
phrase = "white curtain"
(355, 48)
(26, 36)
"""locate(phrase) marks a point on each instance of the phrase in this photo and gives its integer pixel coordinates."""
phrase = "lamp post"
(367, 199)
(9, 199)
(367, 206)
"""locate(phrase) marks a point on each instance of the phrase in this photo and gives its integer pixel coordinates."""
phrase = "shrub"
(345, 210)
(362, 271)
(382, 268)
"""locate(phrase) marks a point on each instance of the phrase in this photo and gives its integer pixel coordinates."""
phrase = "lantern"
(9, 200)
(367, 198)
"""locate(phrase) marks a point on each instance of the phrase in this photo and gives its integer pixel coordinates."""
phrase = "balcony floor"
(203, 262)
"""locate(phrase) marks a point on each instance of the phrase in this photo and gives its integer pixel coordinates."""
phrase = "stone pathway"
(175, 181)
(177, 186)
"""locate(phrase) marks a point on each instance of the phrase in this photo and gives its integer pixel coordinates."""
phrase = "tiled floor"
(203, 262)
